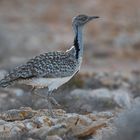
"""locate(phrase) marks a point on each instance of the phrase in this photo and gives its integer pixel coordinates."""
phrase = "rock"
(96, 100)
(55, 137)
(123, 98)
(2, 122)
(41, 120)
(126, 125)
(90, 130)
(58, 129)
(15, 114)
(108, 80)
(29, 125)
(40, 133)
(9, 131)
(104, 115)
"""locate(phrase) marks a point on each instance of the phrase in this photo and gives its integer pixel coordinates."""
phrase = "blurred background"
(31, 27)
(109, 80)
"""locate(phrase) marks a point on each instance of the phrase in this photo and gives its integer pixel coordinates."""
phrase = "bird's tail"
(5, 82)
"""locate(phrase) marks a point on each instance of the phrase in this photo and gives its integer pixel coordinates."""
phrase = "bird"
(50, 70)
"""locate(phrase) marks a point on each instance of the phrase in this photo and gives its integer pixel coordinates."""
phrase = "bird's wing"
(51, 64)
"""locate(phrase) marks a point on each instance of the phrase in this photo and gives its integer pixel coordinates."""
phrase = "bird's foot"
(54, 102)
(49, 104)
(50, 110)
(49, 99)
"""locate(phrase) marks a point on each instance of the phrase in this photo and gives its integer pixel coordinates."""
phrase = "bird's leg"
(48, 97)
(52, 99)
(34, 91)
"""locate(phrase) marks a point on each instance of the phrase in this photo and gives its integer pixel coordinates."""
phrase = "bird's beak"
(93, 17)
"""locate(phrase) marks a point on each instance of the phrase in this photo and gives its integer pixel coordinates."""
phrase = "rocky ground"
(99, 103)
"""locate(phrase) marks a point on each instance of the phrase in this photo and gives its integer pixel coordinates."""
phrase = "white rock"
(54, 137)
(101, 93)
(122, 98)
(29, 125)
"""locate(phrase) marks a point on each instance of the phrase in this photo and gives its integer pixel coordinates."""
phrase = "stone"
(123, 98)
(42, 120)
(86, 101)
(90, 130)
(40, 133)
(16, 114)
(58, 129)
(54, 137)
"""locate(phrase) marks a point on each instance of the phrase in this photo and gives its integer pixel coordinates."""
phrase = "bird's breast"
(50, 83)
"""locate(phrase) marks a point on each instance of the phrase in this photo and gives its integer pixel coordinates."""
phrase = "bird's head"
(81, 20)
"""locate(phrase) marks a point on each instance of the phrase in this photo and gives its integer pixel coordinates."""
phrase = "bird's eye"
(83, 18)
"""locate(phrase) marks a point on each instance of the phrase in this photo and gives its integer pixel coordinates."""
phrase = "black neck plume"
(76, 45)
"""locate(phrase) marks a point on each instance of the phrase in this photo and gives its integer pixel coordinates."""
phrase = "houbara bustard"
(52, 69)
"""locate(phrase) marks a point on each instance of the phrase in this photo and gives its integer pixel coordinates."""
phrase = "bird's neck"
(78, 41)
